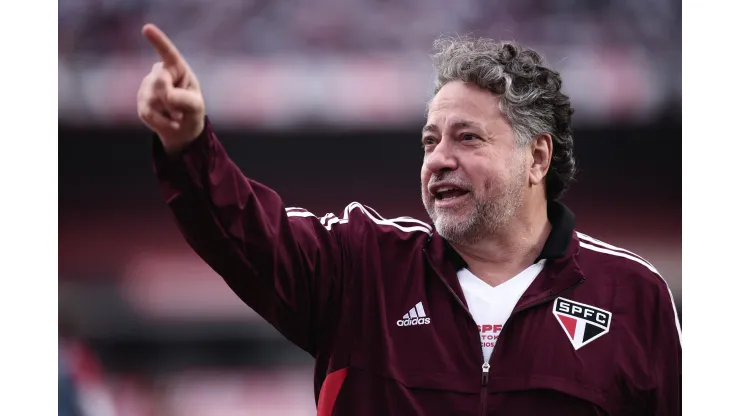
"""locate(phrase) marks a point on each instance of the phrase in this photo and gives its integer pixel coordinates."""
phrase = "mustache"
(452, 180)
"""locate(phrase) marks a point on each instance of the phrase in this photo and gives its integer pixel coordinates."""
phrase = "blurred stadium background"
(323, 101)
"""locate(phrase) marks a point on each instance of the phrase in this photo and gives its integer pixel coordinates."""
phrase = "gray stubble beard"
(489, 214)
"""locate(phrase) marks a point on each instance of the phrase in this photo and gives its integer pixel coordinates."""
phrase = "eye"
(428, 140)
(468, 137)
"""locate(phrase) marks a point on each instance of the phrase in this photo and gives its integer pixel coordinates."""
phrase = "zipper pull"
(486, 367)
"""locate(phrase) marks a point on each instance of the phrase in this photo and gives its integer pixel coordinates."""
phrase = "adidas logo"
(416, 316)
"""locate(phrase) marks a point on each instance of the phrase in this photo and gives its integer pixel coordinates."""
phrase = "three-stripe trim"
(406, 224)
(593, 244)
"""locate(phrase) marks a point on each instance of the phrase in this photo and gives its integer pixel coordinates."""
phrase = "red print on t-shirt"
(489, 334)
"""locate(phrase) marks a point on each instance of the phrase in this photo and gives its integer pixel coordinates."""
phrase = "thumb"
(185, 100)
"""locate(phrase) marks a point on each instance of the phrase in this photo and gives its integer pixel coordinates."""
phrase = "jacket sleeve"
(666, 356)
(287, 265)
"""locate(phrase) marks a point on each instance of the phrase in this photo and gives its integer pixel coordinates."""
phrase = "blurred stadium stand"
(284, 63)
(322, 101)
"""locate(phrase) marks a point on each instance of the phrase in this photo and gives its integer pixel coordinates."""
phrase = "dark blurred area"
(322, 101)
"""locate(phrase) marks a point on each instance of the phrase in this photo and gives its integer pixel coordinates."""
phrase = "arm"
(287, 266)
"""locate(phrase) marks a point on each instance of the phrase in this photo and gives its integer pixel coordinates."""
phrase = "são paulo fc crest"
(582, 323)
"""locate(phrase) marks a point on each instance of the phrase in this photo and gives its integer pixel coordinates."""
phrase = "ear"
(541, 150)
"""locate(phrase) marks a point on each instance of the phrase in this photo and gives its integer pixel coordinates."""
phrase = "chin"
(458, 225)
(458, 211)
(448, 221)
(456, 232)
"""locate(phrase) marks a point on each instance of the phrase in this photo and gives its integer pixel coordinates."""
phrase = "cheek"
(489, 179)
(483, 176)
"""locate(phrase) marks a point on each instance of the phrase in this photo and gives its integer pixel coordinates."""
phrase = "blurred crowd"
(628, 50)
(262, 27)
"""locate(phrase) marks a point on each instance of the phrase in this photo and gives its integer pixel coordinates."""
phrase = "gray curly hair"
(529, 95)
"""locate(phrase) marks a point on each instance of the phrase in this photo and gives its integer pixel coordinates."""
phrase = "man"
(500, 308)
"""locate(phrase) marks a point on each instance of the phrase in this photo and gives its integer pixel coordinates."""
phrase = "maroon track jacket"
(378, 304)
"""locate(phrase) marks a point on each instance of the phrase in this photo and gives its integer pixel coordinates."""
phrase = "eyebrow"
(462, 124)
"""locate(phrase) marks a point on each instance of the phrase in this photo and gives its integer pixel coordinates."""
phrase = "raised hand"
(170, 101)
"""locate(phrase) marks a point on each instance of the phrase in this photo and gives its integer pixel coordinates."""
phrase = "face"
(474, 175)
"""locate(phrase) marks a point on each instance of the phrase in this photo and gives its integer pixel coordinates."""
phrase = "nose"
(442, 158)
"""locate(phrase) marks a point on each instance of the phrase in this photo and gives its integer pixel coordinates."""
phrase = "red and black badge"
(582, 323)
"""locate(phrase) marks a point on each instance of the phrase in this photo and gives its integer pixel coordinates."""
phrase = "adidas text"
(414, 321)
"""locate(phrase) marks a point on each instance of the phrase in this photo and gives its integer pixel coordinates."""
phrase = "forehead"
(458, 100)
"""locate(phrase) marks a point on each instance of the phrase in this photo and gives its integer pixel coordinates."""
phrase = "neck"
(510, 250)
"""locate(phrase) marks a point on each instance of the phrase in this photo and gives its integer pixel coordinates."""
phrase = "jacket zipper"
(485, 367)
(484, 388)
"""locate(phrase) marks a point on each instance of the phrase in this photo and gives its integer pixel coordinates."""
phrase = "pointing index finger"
(163, 45)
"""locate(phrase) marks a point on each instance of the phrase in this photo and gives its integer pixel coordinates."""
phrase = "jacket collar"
(561, 271)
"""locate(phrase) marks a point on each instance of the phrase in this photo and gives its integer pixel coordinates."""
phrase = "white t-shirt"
(492, 306)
